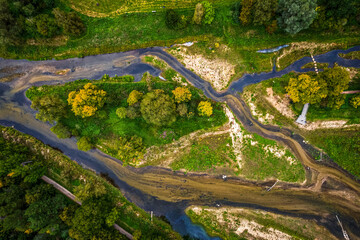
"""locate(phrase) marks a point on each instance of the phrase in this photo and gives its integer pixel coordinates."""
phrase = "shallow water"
(168, 193)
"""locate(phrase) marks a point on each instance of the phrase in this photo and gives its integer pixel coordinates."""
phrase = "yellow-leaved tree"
(86, 101)
(305, 89)
(134, 97)
(205, 108)
(182, 94)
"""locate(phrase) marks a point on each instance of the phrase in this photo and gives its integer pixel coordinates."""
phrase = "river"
(166, 192)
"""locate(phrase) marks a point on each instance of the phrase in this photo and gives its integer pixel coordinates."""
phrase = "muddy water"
(168, 193)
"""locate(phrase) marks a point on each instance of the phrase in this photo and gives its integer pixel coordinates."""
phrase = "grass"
(260, 163)
(206, 155)
(312, 65)
(352, 55)
(341, 145)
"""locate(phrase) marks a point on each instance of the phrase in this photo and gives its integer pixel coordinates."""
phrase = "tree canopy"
(198, 13)
(296, 15)
(305, 89)
(158, 108)
(86, 101)
(264, 11)
(134, 97)
(50, 108)
(205, 108)
(209, 12)
(245, 14)
(182, 94)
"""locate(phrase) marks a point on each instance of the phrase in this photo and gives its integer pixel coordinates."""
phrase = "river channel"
(168, 193)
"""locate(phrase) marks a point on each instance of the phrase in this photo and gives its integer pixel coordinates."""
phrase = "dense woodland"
(33, 209)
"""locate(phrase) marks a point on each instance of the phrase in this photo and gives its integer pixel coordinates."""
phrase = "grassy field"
(104, 8)
(224, 222)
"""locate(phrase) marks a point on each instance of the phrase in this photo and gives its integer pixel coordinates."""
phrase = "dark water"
(94, 67)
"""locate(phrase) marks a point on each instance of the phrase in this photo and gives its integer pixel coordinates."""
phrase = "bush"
(121, 112)
(172, 19)
(61, 131)
(205, 108)
(84, 144)
(199, 13)
(209, 12)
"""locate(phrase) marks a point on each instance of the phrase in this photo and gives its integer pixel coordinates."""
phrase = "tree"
(46, 25)
(205, 108)
(134, 97)
(264, 10)
(355, 101)
(61, 131)
(209, 12)
(305, 89)
(132, 112)
(245, 14)
(121, 112)
(172, 19)
(338, 9)
(182, 94)
(90, 189)
(296, 15)
(84, 144)
(182, 109)
(158, 108)
(86, 101)
(199, 13)
(70, 22)
(51, 108)
(337, 80)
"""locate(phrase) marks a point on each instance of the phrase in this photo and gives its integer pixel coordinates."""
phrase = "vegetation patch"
(312, 65)
(352, 55)
(33, 209)
(121, 117)
(241, 223)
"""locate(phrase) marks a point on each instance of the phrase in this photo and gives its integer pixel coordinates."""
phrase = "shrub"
(182, 94)
(84, 144)
(355, 101)
(199, 13)
(61, 131)
(209, 12)
(121, 112)
(182, 109)
(134, 97)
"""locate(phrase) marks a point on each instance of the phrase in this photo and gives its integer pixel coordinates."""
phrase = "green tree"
(172, 19)
(121, 112)
(158, 108)
(182, 109)
(305, 89)
(337, 80)
(61, 130)
(70, 22)
(296, 15)
(89, 189)
(246, 9)
(46, 25)
(198, 13)
(51, 108)
(132, 112)
(205, 108)
(355, 101)
(84, 144)
(209, 12)
(134, 97)
(86, 101)
(264, 11)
